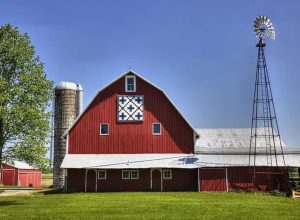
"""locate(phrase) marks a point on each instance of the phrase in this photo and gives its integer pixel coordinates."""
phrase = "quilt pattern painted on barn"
(130, 108)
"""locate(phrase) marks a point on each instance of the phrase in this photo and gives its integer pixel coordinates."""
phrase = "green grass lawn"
(175, 205)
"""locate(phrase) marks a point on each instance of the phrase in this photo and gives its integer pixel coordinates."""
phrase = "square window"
(125, 174)
(167, 174)
(130, 85)
(134, 174)
(156, 129)
(101, 174)
(104, 129)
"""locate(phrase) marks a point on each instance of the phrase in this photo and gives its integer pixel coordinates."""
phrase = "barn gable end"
(177, 136)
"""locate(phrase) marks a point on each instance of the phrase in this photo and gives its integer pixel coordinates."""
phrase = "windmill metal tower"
(265, 136)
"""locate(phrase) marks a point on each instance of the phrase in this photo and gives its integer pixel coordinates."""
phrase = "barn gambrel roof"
(124, 74)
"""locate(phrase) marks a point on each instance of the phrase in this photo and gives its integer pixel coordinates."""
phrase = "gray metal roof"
(227, 138)
(245, 151)
(227, 160)
(230, 147)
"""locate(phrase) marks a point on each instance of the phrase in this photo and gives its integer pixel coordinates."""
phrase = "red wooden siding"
(114, 182)
(12, 176)
(76, 180)
(5, 166)
(212, 179)
(182, 180)
(9, 177)
(30, 178)
(241, 178)
(176, 136)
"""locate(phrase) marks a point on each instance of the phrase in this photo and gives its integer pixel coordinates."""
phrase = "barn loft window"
(130, 84)
(125, 174)
(156, 130)
(104, 129)
(134, 174)
(101, 174)
(167, 174)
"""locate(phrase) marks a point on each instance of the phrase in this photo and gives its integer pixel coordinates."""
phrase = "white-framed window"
(125, 174)
(156, 129)
(134, 174)
(101, 174)
(104, 129)
(130, 84)
(167, 174)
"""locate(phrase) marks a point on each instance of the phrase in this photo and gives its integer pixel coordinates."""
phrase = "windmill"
(265, 136)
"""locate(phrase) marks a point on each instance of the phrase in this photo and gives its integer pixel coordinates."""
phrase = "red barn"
(20, 174)
(130, 137)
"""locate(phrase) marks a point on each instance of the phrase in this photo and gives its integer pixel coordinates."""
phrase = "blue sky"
(202, 53)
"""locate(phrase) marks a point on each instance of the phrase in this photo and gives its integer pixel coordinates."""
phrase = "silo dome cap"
(68, 85)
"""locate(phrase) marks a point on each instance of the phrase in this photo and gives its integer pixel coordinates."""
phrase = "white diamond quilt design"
(130, 108)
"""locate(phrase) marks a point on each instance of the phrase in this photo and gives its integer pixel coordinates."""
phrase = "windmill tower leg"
(264, 128)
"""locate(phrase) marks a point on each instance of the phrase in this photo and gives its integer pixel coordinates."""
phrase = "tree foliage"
(25, 93)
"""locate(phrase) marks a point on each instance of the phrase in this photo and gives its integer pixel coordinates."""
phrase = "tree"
(25, 95)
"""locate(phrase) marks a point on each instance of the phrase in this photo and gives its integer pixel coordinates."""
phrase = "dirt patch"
(16, 192)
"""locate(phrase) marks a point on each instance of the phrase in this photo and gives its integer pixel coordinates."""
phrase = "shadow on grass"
(9, 203)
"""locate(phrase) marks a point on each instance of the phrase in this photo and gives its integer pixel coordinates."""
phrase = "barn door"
(213, 179)
(156, 180)
(8, 177)
(91, 176)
